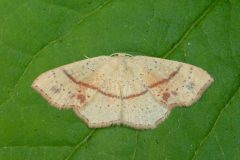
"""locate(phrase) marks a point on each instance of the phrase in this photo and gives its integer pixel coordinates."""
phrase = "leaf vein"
(135, 149)
(49, 44)
(195, 23)
(82, 142)
(215, 123)
(184, 36)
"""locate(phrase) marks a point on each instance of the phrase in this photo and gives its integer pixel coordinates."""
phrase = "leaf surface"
(38, 35)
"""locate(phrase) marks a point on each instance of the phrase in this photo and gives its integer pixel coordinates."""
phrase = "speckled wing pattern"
(137, 91)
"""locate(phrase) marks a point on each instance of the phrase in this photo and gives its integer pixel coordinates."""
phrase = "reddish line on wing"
(89, 86)
(173, 74)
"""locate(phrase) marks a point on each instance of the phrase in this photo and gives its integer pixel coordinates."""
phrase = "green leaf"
(38, 35)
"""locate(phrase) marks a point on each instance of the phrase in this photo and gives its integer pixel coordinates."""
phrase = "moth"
(137, 91)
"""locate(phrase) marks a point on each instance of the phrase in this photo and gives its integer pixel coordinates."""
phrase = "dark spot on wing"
(190, 86)
(55, 89)
(174, 93)
(81, 97)
(165, 96)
